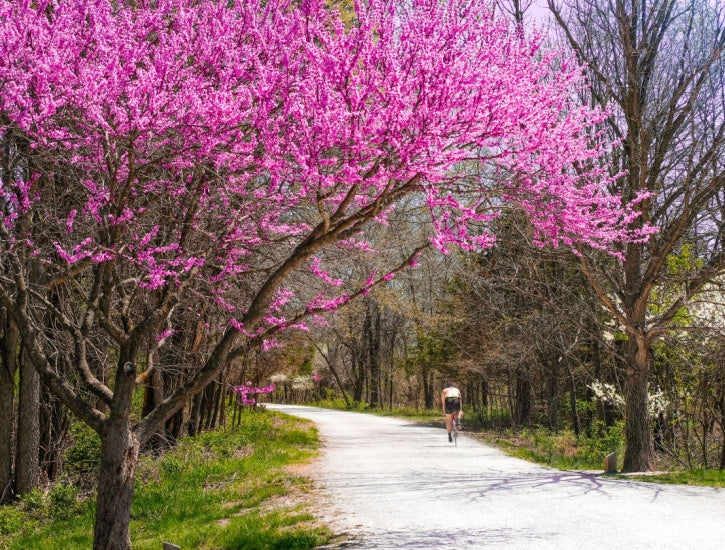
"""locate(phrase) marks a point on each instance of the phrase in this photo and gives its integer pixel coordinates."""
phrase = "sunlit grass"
(228, 489)
(709, 478)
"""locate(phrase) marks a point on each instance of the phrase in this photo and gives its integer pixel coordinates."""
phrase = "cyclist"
(451, 401)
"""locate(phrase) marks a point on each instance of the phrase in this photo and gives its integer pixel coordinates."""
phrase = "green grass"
(709, 478)
(228, 489)
(562, 450)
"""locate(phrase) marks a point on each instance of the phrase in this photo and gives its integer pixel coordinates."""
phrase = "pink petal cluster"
(247, 389)
(204, 133)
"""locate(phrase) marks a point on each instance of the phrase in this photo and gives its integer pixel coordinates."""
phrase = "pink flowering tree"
(246, 393)
(164, 157)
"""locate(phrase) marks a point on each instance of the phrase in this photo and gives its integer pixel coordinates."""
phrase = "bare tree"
(515, 8)
(657, 66)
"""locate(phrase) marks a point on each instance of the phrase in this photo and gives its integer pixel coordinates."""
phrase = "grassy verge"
(562, 450)
(229, 489)
(710, 478)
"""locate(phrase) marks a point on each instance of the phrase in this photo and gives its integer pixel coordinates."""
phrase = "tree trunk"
(54, 424)
(428, 388)
(153, 395)
(119, 456)
(193, 426)
(9, 342)
(721, 403)
(372, 326)
(27, 459)
(359, 369)
(639, 452)
(337, 380)
(572, 401)
(553, 394)
(523, 397)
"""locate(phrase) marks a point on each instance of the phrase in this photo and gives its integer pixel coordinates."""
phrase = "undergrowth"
(228, 489)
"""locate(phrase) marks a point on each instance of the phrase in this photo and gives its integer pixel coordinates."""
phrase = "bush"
(36, 502)
(11, 520)
(606, 440)
(83, 457)
(64, 502)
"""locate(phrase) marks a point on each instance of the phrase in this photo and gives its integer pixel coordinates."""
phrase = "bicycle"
(454, 430)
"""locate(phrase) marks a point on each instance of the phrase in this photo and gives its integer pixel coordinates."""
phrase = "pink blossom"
(246, 390)
(322, 274)
(270, 343)
(165, 334)
(215, 144)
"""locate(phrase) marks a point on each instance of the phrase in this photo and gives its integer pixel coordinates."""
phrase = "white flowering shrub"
(607, 393)
(278, 379)
(302, 383)
(657, 401)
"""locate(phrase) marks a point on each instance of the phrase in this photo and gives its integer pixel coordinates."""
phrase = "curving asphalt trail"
(393, 484)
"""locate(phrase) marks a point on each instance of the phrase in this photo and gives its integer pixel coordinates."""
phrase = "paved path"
(393, 484)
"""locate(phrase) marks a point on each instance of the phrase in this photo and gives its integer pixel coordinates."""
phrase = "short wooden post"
(170, 546)
(610, 463)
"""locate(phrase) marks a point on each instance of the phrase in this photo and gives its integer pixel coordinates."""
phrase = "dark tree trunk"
(333, 370)
(372, 333)
(639, 453)
(174, 426)
(523, 397)
(9, 342)
(54, 424)
(552, 394)
(153, 395)
(721, 404)
(27, 458)
(428, 392)
(209, 402)
(572, 401)
(119, 456)
(359, 369)
(218, 400)
(193, 427)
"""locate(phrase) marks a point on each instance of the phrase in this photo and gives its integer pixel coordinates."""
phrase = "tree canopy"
(164, 158)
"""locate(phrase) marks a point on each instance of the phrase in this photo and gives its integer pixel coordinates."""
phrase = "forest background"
(535, 336)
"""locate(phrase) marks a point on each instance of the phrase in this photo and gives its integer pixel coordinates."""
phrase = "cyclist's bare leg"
(449, 423)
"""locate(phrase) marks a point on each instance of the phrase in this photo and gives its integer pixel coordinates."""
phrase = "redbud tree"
(176, 154)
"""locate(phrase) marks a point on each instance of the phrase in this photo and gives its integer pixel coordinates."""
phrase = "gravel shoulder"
(389, 483)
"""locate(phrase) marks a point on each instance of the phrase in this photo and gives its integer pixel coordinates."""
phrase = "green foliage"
(487, 418)
(12, 520)
(430, 353)
(679, 265)
(83, 456)
(35, 502)
(225, 489)
(710, 478)
(563, 450)
(64, 501)
(684, 262)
